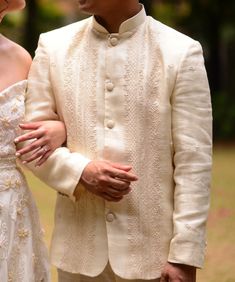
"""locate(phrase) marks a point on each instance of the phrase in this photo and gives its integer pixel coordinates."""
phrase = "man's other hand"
(111, 181)
(175, 272)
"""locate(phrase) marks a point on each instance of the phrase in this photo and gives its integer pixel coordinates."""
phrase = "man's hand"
(174, 272)
(108, 180)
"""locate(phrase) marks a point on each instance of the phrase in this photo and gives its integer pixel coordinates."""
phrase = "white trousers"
(106, 276)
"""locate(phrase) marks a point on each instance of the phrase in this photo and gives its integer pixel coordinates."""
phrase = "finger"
(30, 125)
(107, 181)
(123, 175)
(37, 154)
(117, 193)
(35, 145)
(43, 158)
(30, 135)
(122, 167)
(110, 198)
(119, 184)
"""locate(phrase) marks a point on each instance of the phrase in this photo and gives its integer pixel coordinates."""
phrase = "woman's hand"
(46, 136)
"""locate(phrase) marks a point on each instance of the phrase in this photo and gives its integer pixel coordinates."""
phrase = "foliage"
(211, 22)
(223, 116)
(41, 17)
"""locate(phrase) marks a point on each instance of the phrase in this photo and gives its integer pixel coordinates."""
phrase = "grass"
(219, 266)
(45, 198)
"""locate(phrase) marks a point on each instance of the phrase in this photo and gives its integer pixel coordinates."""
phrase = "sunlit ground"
(220, 260)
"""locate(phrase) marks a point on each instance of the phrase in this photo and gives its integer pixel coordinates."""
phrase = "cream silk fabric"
(138, 97)
(106, 276)
(23, 254)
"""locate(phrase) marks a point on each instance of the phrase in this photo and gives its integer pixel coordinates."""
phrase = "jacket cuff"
(187, 252)
(83, 162)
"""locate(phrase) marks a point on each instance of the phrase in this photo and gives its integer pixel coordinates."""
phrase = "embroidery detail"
(20, 235)
(3, 240)
(82, 61)
(142, 78)
(23, 233)
(5, 122)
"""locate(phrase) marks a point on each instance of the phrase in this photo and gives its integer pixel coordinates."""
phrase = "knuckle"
(43, 130)
(104, 170)
(46, 139)
(102, 179)
(33, 147)
(125, 185)
(115, 193)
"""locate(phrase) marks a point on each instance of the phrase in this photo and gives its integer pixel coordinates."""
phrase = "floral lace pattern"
(23, 256)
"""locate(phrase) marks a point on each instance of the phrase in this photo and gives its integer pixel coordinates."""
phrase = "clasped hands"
(110, 181)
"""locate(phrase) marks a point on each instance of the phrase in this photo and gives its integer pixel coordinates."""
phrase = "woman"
(23, 256)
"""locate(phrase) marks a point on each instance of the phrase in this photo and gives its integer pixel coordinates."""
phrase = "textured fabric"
(138, 97)
(106, 276)
(23, 256)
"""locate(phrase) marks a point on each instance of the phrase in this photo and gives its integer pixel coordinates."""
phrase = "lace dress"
(23, 256)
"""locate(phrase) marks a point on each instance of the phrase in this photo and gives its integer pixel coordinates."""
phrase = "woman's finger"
(34, 134)
(43, 158)
(30, 135)
(37, 154)
(30, 125)
(35, 145)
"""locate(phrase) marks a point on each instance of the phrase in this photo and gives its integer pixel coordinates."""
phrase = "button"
(109, 86)
(113, 41)
(110, 124)
(110, 217)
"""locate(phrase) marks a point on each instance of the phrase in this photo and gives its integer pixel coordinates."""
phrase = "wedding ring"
(45, 149)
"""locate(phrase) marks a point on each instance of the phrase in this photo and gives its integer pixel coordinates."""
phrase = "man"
(133, 181)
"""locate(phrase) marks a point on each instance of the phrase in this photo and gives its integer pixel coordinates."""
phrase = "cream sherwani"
(137, 97)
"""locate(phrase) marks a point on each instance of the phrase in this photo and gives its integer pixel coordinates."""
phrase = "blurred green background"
(212, 22)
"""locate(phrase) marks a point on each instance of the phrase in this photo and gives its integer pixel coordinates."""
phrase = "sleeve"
(63, 169)
(192, 139)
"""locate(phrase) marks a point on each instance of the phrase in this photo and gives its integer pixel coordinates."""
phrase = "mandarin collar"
(127, 26)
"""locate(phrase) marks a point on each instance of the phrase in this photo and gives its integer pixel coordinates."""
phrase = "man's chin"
(82, 2)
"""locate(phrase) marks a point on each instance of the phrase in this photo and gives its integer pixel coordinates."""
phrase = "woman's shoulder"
(15, 53)
(15, 63)
(20, 55)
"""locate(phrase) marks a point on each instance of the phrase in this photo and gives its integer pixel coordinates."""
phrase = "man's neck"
(112, 21)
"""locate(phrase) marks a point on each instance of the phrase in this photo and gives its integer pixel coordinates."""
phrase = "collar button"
(113, 41)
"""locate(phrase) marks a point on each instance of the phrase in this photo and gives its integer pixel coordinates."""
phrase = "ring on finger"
(45, 149)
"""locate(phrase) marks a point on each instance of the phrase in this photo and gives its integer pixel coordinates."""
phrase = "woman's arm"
(45, 137)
